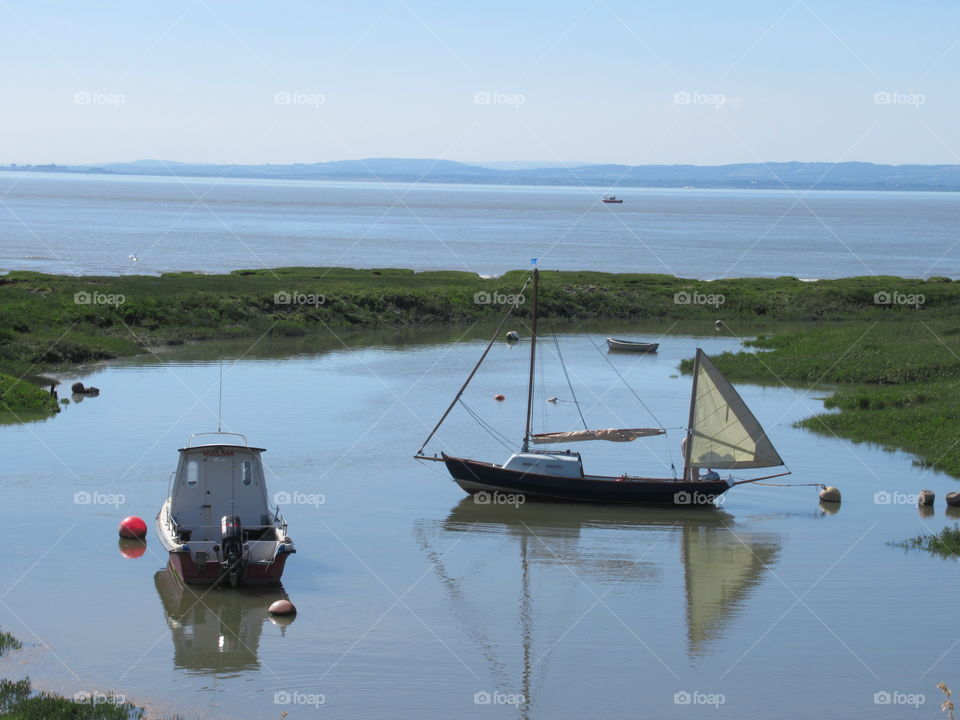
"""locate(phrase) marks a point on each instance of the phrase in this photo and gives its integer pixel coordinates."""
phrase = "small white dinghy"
(217, 524)
(631, 346)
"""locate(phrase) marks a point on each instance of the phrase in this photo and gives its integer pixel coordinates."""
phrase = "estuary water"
(95, 224)
(415, 601)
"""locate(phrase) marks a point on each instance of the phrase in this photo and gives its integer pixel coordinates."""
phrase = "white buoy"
(718, 325)
(828, 493)
(926, 497)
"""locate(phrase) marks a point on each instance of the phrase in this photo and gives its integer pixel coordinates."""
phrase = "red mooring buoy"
(498, 396)
(133, 528)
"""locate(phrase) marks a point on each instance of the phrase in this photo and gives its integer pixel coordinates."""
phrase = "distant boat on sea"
(612, 199)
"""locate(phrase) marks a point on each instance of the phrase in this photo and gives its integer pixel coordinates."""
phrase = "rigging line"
(220, 404)
(624, 381)
(556, 342)
(476, 367)
(484, 424)
(819, 485)
(543, 394)
(639, 399)
(500, 438)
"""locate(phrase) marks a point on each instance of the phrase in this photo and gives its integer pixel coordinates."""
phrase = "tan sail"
(723, 431)
(611, 434)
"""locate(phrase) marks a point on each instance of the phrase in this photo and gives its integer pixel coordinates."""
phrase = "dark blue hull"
(474, 477)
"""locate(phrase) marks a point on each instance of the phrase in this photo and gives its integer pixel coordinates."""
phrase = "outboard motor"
(231, 540)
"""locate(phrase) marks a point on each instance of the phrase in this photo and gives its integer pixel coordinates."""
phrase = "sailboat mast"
(688, 445)
(533, 358)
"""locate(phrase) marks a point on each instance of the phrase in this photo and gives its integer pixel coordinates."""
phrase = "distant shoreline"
(847, 176)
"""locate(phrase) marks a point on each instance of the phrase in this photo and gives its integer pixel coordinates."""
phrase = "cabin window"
(193, 472)
(246, 472)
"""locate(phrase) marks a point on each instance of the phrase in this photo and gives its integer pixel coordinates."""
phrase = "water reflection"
(215, 630)
(829, 508)
(722, 564)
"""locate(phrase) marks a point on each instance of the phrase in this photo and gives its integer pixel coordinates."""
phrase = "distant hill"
(792, 175)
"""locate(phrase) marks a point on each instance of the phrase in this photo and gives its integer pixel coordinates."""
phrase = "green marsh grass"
(895, 383)
(945, 543)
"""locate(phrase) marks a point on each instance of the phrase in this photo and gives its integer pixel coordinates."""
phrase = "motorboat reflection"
(215, 630)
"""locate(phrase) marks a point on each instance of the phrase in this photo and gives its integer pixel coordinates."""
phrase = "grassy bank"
(47, 319)
(900, 381)
(19, 701)
(24, 400)
(945, 543)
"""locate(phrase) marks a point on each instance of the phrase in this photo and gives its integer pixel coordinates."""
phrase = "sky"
(614, 81)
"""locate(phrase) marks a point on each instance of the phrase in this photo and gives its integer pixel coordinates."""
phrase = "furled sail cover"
(724, 433)
(611, 434)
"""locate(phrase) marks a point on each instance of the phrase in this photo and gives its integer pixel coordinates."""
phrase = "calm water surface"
(414, 601)
(90, 224)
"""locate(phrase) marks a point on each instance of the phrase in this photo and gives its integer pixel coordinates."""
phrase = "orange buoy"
(498, 396)
(133, 528)
(282, 607)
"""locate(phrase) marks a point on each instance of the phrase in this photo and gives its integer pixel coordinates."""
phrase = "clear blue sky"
(605, 81)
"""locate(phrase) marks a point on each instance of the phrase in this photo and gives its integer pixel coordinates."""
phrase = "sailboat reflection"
(215, 631)
(722, 563)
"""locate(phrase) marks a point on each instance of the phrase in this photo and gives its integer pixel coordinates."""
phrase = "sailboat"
(722, 433)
